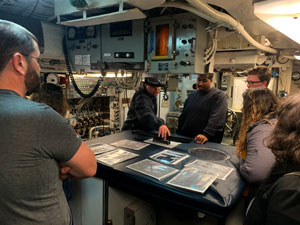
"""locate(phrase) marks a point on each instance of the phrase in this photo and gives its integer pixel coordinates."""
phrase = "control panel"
(123, 41)
(84, 48)
(176, 44)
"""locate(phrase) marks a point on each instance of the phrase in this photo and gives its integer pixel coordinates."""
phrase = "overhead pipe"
(218, 17)
(229, 20)
(189, 8)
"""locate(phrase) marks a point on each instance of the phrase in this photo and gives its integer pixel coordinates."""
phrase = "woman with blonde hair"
(278, 199)
(258, 119)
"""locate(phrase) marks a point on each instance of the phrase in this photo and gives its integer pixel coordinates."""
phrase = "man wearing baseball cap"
(143, 109)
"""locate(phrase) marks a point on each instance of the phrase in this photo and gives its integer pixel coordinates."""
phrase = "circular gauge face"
(296, 76)
(90, 31)
(282, 60)
(73, 121)
(52, 78)
(71, 33)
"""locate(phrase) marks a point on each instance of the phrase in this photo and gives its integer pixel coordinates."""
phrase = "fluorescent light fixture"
(108, 74)
(119, 74)
(94, 75)
(126, 74)
(87, 75)
(79, 75)
(283, 15)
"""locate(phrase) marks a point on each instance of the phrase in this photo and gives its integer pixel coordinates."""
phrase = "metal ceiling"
(241, 10)
(37, 9)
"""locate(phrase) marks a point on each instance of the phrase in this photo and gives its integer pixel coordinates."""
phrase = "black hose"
(72, 77)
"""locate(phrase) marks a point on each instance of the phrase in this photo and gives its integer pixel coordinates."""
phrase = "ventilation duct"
(238, 60)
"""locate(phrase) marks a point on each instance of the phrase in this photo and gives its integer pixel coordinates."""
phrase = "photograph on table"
(209, 167)
(134, 145)
(169, 157)
(115, 156)
(193, 179)
(102, 148)
(153, 169)
(172, 144)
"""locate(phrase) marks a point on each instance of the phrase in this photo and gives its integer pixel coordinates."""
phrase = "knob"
(175, 52)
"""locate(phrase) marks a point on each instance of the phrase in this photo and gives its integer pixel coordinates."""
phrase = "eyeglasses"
(252, 82)
(37, 58)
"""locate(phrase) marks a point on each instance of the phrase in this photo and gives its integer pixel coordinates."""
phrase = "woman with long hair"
(53, 96)
(258, 119)
(278, 199)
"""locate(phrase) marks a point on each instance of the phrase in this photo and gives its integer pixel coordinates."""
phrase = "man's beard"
(32, 80)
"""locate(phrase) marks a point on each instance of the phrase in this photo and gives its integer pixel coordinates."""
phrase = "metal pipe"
(229, 20)
(189, 8)
(95, 127)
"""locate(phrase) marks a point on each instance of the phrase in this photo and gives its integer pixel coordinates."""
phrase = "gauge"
(281, 59)
(52, 78)
(90, 32)
(73, 121)
(71, 33)
(296, 76)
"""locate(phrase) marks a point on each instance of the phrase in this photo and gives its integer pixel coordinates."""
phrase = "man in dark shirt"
(143, 109)
(204, 113)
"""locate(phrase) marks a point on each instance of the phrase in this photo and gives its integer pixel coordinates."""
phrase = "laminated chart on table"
(169, 157)
(193, 179)
(209, 167)
(102, 148)
(134, 145)
(115, 156)
(153, 169)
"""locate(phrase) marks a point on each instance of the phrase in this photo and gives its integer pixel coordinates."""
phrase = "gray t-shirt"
(33, 140)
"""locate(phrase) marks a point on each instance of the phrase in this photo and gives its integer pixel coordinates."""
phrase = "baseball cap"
(153, 82)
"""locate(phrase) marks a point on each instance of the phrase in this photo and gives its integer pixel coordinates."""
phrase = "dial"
(52, 79)
(73, 121)
(90, 31)
(71, 33)
(281, 59)
(296, 76)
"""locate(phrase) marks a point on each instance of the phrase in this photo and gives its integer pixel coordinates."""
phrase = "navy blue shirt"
(204, 113)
